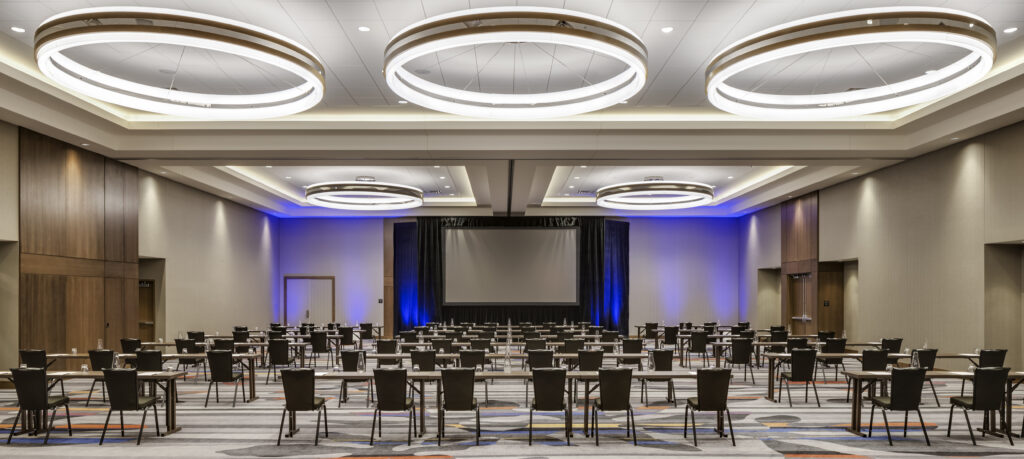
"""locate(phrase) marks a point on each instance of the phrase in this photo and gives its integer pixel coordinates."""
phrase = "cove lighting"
(941, 26)
(519, 25)
(65, 32)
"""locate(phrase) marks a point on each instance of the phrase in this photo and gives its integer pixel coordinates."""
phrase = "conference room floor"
(763, 428)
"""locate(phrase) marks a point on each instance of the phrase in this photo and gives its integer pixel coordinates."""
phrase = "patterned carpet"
(763, 428)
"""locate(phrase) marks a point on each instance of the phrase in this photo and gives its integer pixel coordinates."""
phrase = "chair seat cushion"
(692, 401)
(966, 402)
(882, 401)
(408, 403)
(236, 375)
(533, 404)
(318, 402)
(599, 404)
(145, 401)
(56, 400)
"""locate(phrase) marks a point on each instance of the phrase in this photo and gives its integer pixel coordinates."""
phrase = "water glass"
(99, 343)
(85, 367)
(160, 340)
(74, 351)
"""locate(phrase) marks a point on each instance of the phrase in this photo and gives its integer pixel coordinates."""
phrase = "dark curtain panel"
(408, 313)
(614, 313)
(593, 293)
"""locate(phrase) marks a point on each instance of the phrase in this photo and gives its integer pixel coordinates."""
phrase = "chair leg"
(732, 435)
(633, 424)
(934, 394)
(15, 426)
(969, 429)
(50, 427)
(281, 429)
(686, 415)
(530, 435)
(1006, 426)
(210, 386)
(316, 435)
(923, 429)
(694, 427)
(87, 399)
(67, 414)
(814, 386)
(906, 414)
(156, 420)
(871, 421)
(478, 426)
(373, 426)
(105, 424)
(597, 429)
(949, 425)
(885, 419)
(790, 394)
(326, 432)
(138, 441)
(121, 415)
(235, 396)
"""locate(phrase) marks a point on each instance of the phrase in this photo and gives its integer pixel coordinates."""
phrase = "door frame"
(334, 305)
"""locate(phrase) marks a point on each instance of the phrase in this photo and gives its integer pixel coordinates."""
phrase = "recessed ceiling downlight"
(364, 195)
(942, 26)
(516, 25)
(655, 195)
(159, 26)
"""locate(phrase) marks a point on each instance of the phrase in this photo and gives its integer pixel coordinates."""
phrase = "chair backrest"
(536, 344)
(741, 350)
(220, 363)
(457, 388)
(825, 335)
(874, 359)
(347, 336)
(776, 328)
(30, 384)
(992, 357)
(149, 360)
(391, 385)
(835, 345)
(481, 344)
(796, 343)
(196, 335)
(544, 358)
(709, 329)
(387, 346)
(528, 335)
(424, 360)
(365, 330)
(632, 346)
(892, 345)
(735, 330)
(33, 358)
(122, 388)
(224, 344)
(408, 336)
(662, 359)
(778, 336)
(671, 335)
(744, 325)
(240, 336)
(350, 360)
(609, 336)
(278, 350)
(275, 334)
(906, 388)
(564, 336)
(443, 346)
(470, 358)
(101, 359)
(319, 341)
(650, 330)
(129, 345)
(926, 358)
(572, 346)
(549, 388)
(713, 388)
(802, 361)
(698, 341)
(590, 360)
(241, 328)
(748, 333)
(332, 326)
(299, 388)
(184, 345)
(989, 387)
(615, 384)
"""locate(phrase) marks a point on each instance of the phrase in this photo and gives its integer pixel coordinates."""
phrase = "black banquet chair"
(350, 363)
(989, 392)
(34, 395)
(712, 395)
(802, 363)
(300, 395)
(99, 360)
(926, 361)
(906, 397)
(457, 395)
(391, 384)
(550, 394)
(36, 358)
(742, 351)
(662, 359)
(615, 385)
(222, 371)
(122, 389)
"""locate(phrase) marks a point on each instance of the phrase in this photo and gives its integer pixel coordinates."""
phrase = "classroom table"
(168, 378)
(248, 359)
(775, 357)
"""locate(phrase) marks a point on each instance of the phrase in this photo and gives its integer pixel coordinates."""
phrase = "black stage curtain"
(614, 311)
(594, 301)
(408, 314)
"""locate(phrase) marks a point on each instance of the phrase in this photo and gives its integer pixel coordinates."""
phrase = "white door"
(309, 300)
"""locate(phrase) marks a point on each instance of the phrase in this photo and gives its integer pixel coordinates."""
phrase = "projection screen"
(487, 266)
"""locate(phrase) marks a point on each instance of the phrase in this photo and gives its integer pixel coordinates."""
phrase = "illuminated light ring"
(364, 196)
(922, 25)
(518, 25)
(93, 26)
(668, 195)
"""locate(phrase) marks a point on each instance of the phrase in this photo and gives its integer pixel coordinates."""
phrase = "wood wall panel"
(84, 172)
(830, 289)
(79, 260)
(43, 195)
(800, 228)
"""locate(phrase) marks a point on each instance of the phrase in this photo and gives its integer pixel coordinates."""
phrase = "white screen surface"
(510, 265)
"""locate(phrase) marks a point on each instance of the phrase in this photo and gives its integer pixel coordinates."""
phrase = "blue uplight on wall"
(406, 277)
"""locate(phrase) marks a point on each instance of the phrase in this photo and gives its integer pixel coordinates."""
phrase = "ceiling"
(512, 167)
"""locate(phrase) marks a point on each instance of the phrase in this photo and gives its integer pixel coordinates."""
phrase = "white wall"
(683, 270)
(9, 195)
(9, 251)
(221, 257)
(350, 249)
(760, 247)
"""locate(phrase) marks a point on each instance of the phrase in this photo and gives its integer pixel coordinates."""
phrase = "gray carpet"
(763, 428)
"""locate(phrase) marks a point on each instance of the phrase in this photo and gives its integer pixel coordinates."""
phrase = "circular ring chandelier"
(364, 196)
(108, 25)
(851, 28)
(498, 25)
(655, 195)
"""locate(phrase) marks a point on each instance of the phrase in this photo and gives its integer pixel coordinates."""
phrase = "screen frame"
(444, 266)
